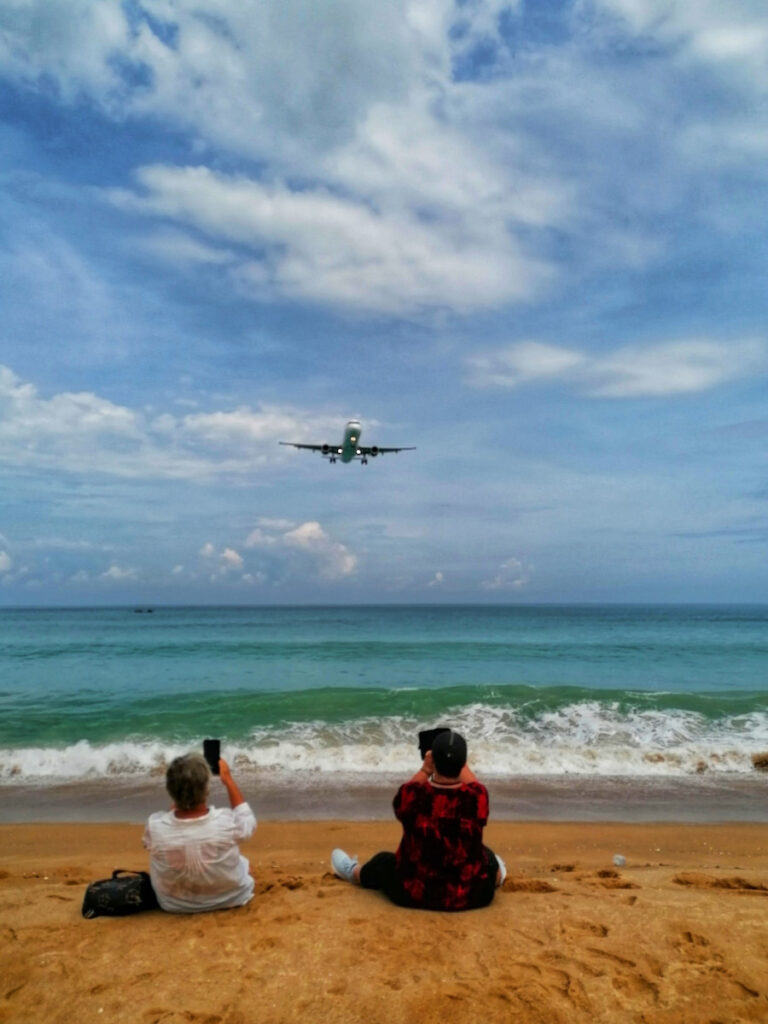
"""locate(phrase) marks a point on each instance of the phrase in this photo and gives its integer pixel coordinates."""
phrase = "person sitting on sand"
(195, 862)
(441, 863)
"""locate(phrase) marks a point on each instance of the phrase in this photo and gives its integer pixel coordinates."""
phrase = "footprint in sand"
(627, 978)
(620, 960)
(530, 984)
(576, 929)
(609, 879)
(700, 881)
(161, 1016)
(636, 986)
(291, 883)
(527, 885)
(695, 948)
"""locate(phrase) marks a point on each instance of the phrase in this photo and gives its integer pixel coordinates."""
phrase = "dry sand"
(677, 936)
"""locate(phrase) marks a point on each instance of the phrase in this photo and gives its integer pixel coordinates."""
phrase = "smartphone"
(427, 738)
(212, 753)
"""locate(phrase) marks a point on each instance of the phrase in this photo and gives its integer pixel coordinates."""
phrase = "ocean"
(553, 700)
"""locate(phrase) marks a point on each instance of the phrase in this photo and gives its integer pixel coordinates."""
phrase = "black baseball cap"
(449, 753)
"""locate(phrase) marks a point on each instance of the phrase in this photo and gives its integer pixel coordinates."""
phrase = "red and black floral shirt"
(441, 861)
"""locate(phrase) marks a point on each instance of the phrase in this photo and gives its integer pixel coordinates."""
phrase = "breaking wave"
(581, 737)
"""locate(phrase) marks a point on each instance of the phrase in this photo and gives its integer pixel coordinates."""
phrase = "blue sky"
(527, 237)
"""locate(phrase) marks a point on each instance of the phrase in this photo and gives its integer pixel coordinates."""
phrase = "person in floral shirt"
(441, 862)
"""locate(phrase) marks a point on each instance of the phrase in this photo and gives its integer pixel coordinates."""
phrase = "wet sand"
(679, 935)
(705, 798)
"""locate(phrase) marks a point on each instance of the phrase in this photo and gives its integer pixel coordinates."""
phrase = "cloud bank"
(661, 371)
(307, 541)
(83, 433)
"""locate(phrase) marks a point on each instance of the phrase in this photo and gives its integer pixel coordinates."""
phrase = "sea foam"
(583, 738)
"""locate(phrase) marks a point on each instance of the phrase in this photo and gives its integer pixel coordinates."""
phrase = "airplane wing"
(310, 447)
(333, 452)
(376, 450)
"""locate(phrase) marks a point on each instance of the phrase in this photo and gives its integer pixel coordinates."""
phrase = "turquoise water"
(328, 690)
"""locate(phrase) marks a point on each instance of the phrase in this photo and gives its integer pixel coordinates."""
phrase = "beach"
(677, 935)
(598, 731)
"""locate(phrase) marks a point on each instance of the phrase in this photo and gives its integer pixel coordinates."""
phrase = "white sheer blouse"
(195, 863)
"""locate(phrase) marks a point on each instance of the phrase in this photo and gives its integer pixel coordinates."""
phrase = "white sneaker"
(502, 870)
(343, 865)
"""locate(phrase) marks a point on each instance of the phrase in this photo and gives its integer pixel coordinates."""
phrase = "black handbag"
(126, 892)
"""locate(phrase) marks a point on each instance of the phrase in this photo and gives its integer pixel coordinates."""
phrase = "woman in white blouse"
(194, 858)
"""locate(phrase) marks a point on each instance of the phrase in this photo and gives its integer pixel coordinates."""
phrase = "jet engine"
(374, 451)
(325, 449)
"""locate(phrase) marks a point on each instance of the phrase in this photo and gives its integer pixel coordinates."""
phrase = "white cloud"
(228, 562)
(67, 544)
(437, 580)
(512, 575)
(26, 415)
(676, 368)
(230, 559)
(272, 523)
(256, 578)
(662, 370)
(119, 574)
(316, 245)
(277, 537)
(522, 362)
(83, 432)
(289, 79)
(177, 247)
(707, 30)
(409, 158)
(415, 202)
(248, 74)
(72, 41)
(5, 561)
(334, 559)
(426, 190)
(241, 425)
(409, 207)
(283, 549)
(477, 23)
(258, 538)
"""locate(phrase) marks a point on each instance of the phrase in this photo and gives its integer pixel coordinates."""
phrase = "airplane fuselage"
(348, 449)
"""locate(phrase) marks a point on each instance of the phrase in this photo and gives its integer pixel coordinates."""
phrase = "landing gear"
(332, 458)
(363, 461)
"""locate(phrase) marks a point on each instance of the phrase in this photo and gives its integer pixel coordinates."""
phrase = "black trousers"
(380, 872)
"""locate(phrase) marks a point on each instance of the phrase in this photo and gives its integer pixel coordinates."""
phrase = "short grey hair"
(187, 781)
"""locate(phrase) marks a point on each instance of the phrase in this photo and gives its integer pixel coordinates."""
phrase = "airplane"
(349, 448)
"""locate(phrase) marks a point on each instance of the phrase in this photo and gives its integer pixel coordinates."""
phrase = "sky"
(527, 237)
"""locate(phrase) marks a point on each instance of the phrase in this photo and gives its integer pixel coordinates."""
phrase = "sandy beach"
(679, 935)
